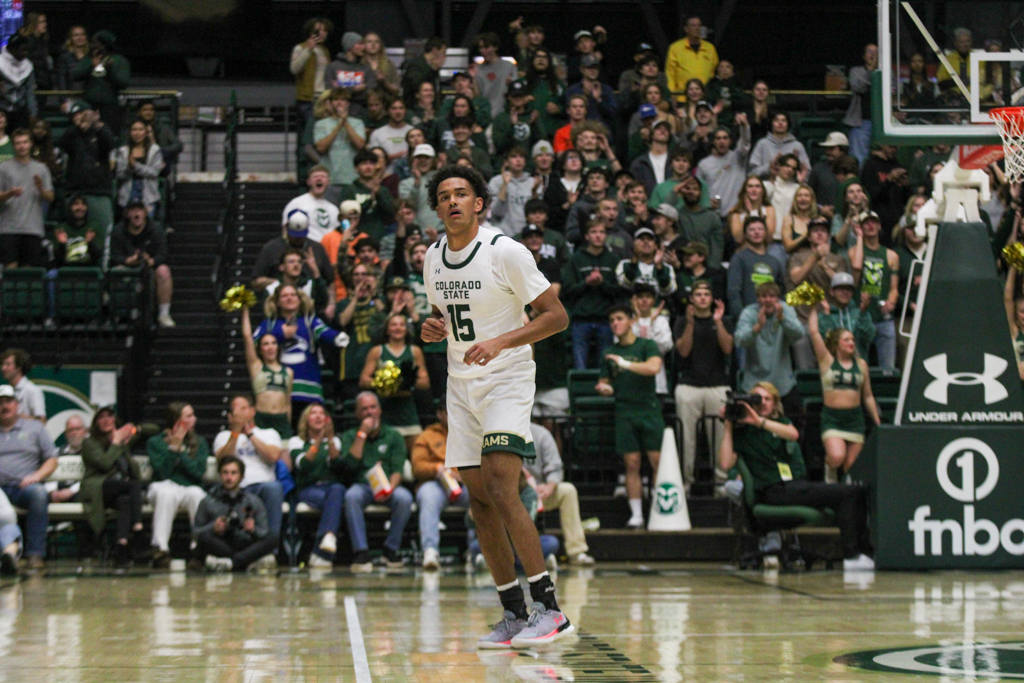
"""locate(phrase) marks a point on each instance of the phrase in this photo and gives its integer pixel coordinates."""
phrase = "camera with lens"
(734, 409)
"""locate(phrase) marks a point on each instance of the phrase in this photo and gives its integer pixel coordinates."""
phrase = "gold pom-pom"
(237, 297)
(806, 294)
(387, 380)
(1014, 255)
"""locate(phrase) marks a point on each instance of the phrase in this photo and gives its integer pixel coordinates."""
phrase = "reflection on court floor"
(643, 624)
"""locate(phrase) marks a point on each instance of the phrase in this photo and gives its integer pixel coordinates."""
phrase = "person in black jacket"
(230, 528)
(138, 242)
(88, 144)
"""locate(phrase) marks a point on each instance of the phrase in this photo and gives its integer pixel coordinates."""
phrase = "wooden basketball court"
(636, 623)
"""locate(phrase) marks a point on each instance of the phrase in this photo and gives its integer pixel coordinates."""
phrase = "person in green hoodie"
(112, 479)
(178, 457)
(590, 288)
(106, 74)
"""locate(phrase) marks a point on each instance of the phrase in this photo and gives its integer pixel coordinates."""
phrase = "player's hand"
(483, 353)
(434, 330)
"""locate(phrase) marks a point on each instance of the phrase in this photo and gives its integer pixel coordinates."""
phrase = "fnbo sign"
(945, 498)
(974, 536)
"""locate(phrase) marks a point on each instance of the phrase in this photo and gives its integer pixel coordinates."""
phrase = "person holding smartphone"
(308, 63)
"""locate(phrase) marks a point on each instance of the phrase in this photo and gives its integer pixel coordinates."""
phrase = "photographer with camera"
(757, 430)
(230, 528)
(105, 74)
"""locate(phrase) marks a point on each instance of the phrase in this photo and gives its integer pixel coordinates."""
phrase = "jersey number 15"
(462, 327)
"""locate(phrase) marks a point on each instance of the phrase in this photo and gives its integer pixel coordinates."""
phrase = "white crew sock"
(636, 508)
(164, 309)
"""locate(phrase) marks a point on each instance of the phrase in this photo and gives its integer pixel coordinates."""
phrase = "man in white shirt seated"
(260, 450)
(323, 215)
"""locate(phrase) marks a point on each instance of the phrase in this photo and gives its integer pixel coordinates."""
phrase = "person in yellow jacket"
(434, 484)
(690, 57)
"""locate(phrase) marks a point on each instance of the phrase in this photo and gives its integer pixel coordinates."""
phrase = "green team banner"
(961, 368)
(74, 390)
(945, 498)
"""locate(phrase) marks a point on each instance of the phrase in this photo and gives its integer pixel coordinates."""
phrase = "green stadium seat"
(127, 288)
(79, 293)
(23, 295)
(764, 518)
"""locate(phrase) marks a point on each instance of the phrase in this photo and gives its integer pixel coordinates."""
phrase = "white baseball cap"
(7, 391)
(423, 150)
(835, 139)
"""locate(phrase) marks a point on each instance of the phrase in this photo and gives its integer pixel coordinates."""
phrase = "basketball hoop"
(1010, 122)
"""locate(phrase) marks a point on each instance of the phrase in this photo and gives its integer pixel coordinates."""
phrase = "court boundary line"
(355, 638)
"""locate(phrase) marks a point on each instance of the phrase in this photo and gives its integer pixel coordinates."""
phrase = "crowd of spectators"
(72, 200)
(672, 212)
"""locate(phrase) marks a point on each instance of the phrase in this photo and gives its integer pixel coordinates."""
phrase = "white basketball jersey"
(482, 291)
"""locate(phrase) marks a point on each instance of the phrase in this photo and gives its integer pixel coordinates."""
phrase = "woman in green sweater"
(112, 479)
(314, 453)
(178, 457)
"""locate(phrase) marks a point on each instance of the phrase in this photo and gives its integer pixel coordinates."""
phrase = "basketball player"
(479, 281)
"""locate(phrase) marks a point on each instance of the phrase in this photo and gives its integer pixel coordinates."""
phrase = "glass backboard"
(944, 65)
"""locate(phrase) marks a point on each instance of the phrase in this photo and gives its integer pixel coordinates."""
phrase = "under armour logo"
(938, 389)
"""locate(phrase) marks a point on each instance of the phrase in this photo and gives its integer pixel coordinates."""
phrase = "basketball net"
(1010, 122)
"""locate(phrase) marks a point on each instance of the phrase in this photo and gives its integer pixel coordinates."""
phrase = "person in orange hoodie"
(435, 489)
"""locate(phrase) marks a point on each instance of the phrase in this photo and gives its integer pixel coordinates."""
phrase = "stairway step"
(214, 372)
(196, 384)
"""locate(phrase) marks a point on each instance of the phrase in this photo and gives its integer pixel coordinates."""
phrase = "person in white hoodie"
(769, 148)
(18, 91)
(649, 323)
(510, 190)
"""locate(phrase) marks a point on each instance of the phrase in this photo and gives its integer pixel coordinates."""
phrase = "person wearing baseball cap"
(555, 246)
(822, 177)
(645, 267)
(842, 309)
(694, 266)
(413, 189)
(507, 133)
(878, 270)
(542, 158)
(27, 458)
(294, 235)
(601, 103)
(586, 42)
